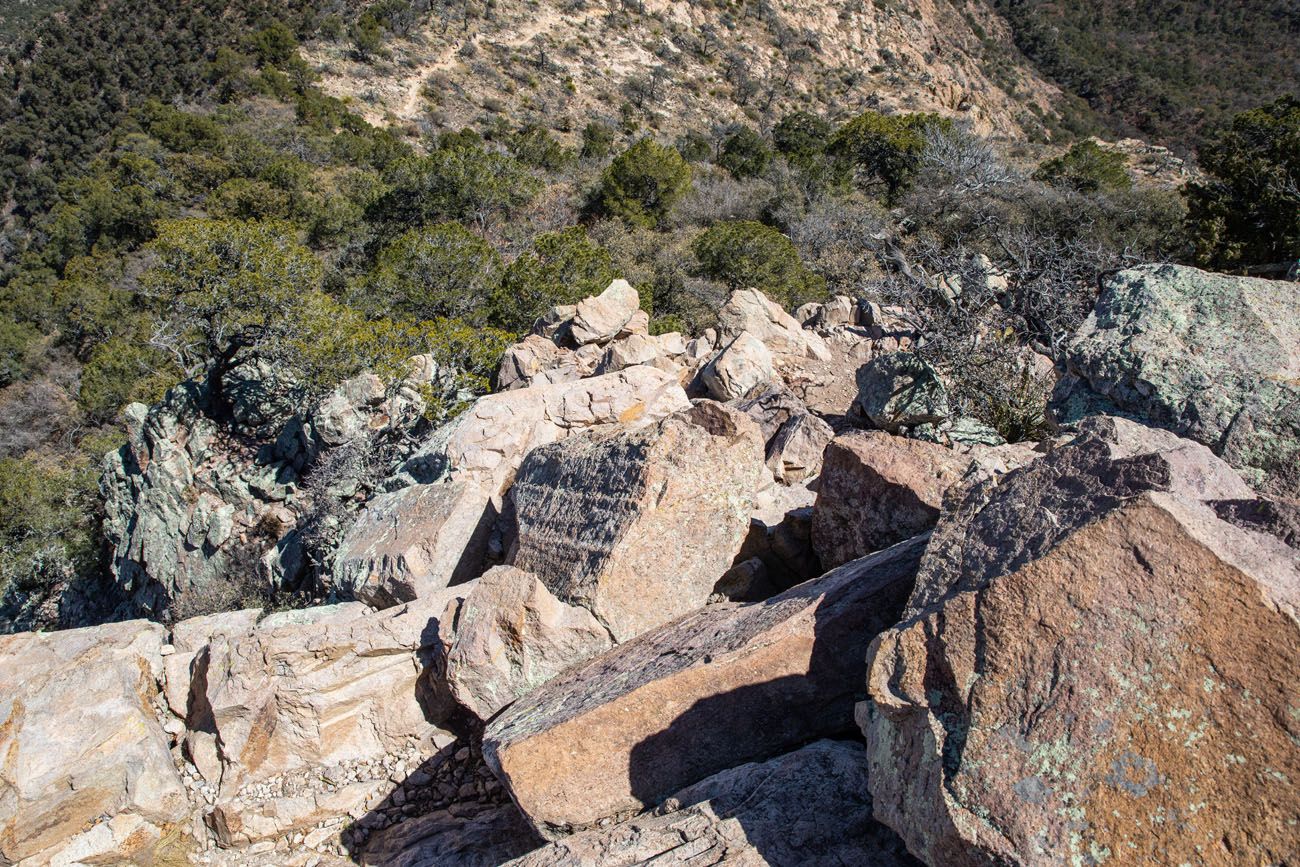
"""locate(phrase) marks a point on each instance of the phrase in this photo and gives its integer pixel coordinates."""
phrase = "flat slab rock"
(725, 685)
(808, 807)
(1107, 673)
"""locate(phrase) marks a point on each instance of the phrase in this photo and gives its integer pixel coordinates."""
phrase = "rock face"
(415, 541)
(511, 636)
(638, 525)
(900, 390)
(1096, 667)
(729, 684)
(806, 807)
(81, 742)
(1211, 357)
(322, 687)
(876, 490)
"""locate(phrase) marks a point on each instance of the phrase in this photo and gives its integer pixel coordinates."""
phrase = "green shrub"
(123, 370)
(458, 181)
(745, 154)
(597, 140)
(1088, 168)
(801, 136)
(17, 341)
(694, 146)
(432, 272)
(562, 268)
(536, 147)
(643, 183)
(744, 254)
(883, 149)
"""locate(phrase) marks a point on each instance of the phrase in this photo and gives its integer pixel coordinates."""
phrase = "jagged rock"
(876, 490)
(187, 638)
(738, 368)
(537, 359)
(482, 837)
(260, 395)
(628, 351)
(829, 389)
(80, 741)
(347, 412)
(958, 432)
(601, 515)
(241, 822)
(601, 319)
(1212, 357)
(784, 546)
(554, 324)
(1097, 667)
(328, 685)
(900, 390)
(728, 684)
(807, 807)
(490, 438)
(415, 541)
(639, 323)
(748, 310)
(795, 437)
(511, 636)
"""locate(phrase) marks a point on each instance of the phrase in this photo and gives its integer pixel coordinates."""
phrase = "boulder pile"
(723, 600)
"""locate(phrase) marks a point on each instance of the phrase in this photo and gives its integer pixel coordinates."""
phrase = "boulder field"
(721, 600)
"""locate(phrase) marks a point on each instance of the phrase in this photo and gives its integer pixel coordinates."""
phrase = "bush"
(123, 370)
(745, 254)
(17, 341)
(1086, 167)
(801, 137)
(694, 146)
(745, 154)
(534, 146)
(1247, 212)
(883, 149)
(597, 140)
(643, 183)
(562, 268)
(431, 272)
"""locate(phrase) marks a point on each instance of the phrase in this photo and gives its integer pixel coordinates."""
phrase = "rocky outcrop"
(749, 311)
(876, 490)
(795, 437)
(740, 366)
(722, 686)
(602, 517)
(82, 744)
(1211, 357)
(602, 318)
(511, 636)
(806, 807)
(1095, 666)
(900, 390)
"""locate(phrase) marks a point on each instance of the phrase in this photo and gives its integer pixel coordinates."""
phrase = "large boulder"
(741, 366)
(1096, 667)
(81, 744)
(537, 359)
(600, 319)
(637, 525)
(795, 437)
(749, 310)
(877, 489)
(806, 807)
(901, 390)
(316, 688)
(725, 685)
(511, 636)
(415, 541)
(1212, 357)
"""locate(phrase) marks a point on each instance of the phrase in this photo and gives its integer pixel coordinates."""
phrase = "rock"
(748, 310)
(729, 684)
(477, 838)
(807, 807)
(312, 693)
(784, 546)
(876, 490)
(600, 319)
(554, 324)
(602, 515)
(958, 432)
(1212, 357)
(250, 822)
(628, 351)
(81, 742)
(1097, 667)
(638, 324)
(738, 368)
(512, 636)
(188, 637)
(347, 412)
(490, 438)
(537, 358)
(795, 437)
(900, 390)
(415, 541)
(829, 389)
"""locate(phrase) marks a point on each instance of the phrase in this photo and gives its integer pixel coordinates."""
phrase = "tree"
(883, 149)
(743, 253)
(562, 268)
(431, 272)
(597, 140)
(643, 183)
(745, 154)
(1247, 211)
(801, 137)
(459, 181)
(1086, 167)
(223, 287)
(367, 35)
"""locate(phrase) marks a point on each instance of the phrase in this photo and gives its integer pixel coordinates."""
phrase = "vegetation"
(643, 183)
(1087, 168)
(744, 253)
